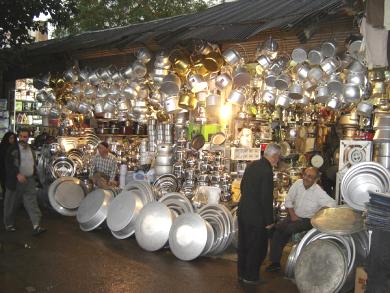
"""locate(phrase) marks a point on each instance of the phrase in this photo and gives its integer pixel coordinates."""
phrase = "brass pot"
(188, 102)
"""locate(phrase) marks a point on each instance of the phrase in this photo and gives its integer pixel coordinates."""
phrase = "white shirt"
(306, 202)
(26, 167)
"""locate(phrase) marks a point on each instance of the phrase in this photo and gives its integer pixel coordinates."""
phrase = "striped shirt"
(106, 165)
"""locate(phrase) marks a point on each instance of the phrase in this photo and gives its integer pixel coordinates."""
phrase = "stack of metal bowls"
(382, 140)
(93, 209)
(326, 262)
(208, 232)
(362, 178)
(125, 207)
(155, 220)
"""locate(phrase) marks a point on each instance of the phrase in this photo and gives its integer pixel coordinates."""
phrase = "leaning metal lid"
(188, 236)
(153, 225)
(341, 220)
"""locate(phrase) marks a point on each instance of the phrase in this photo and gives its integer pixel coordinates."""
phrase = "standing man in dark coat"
(20, 184)
(255, 214)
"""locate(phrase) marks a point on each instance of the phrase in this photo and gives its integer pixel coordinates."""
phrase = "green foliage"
(17, 18)
(102, 14)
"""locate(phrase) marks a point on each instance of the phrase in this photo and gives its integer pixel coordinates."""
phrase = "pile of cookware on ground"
(156, 221)
(326, 258)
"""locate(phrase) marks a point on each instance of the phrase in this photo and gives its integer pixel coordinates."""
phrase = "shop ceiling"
(229, 22)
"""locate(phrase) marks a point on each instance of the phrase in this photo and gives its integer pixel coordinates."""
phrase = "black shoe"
(250, 282)
(39, 230)
(273, 267)
(11, 228)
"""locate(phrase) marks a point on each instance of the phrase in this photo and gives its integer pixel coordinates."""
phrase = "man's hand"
(294, 218)
(21, 178)
(269, 226)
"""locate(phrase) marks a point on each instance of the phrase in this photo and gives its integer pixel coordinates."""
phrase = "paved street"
(65, 259)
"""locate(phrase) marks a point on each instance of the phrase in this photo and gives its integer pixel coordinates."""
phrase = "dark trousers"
(252, 250)
(282, 234)
(378, 263)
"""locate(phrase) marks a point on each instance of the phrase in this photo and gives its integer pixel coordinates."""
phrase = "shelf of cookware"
(122, 135)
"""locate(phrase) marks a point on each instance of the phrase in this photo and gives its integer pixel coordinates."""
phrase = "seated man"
(304, 199)
(104, 167)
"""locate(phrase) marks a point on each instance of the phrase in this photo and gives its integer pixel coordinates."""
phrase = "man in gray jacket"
(20, 184)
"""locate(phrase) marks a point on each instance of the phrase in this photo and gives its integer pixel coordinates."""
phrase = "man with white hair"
(255, 214)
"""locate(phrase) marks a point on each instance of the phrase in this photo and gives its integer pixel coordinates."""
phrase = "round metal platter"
(362, 178)
(188, 236)
(62, 167)
(165, 184)
(153, 225)
(144, 188)
(122, 212)
(339, 221)
(289, 271)
(52, 195)
(320, 267)
(210, 239)
(69, 194)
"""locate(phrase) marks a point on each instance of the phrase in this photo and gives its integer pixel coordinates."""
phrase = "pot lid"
(188, 236)
(317, 161)
(69, 194)
(153, 225)
(340, 220)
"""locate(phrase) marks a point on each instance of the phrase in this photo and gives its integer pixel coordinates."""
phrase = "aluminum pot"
(222, 81)
(236, 97)
(302, 71)
(83, 75)
(171, 104)
(382, 122)
(264, 61)
(93, 78)
(270, 78)
(335, 84)
(282, 82)
(231, 56)
(161, 170)
(382, 135)
(322, 94)
(213, 100)
(382, 149)
(315, 74)
(351, 92)
(315, 56)
(109, 106)
(304, 101)
(364, 109)
(123, 104)
(102, 91)
(282, 100)
(139, 69)
(330, 65)
(197, 83)
(162, 160)
(295, 91)
(171, 85)
(241, 77)
(268, 96)
(128, 72)
(299, 55)
(144, 55)
(84, 107)
(333, 103)
(383, 160)
(131, 90)
(328, 48)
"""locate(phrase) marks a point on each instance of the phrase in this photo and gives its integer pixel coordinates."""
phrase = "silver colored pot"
(335, 84)
(161, 170)
(222, 81)
(333, 103)
(302, 71)
(351, 92)
(171, 104)
(171, 85)
(382, 135)
(268, 96)
(139, 69)
(322, 94)
(295, 91)
(241, 77)
(231, 56)
(315, 74)
(197, 83)
(364, 109)
(282, 100)
(213, 100)
(163, 160)
(282, 82)
(299, 55)
(330, 65)
(264, 61)
(270, 78)
(315, 56)
(144, 55)
(236, 97)
(328, 48)
(382, 149)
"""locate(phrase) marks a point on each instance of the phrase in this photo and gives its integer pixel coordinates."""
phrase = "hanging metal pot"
(302, 71)
(171, 85)
(241, 77)
(335, 84)
(295, 91)
(299, 55)
(139, 69)
(188, 102)
(236, 97)
(330, 65)
(197, 83)
(322, 94)
(328, 48)
(282, 100)
(282, 82)
(144, 55)
(131, 90)
(222, 81)
(351, 92)
(213, 61)
(231, 56)
(364, 109)
(315, 56)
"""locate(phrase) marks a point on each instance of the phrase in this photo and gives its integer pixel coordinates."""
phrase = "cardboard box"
(360, 280)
